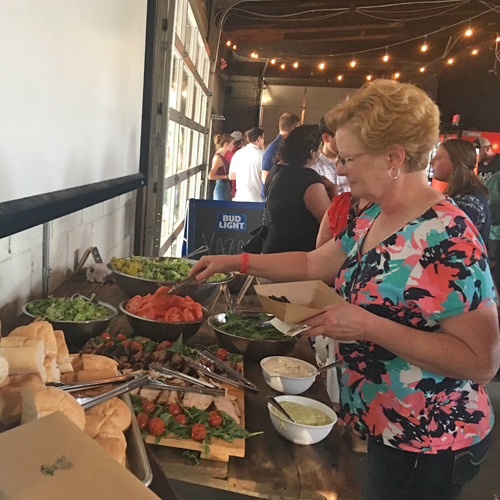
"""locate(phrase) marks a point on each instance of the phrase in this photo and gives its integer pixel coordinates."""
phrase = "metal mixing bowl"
(252, 349)
(160, 330)
(203, 293)
(77, 333)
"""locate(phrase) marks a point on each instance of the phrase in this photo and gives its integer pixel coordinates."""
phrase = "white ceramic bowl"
(299, 433)
(285, 384)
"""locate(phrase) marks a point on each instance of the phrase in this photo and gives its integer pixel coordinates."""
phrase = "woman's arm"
(322, 264)
(216, 164)
(317, 200)
(324, 233)
(467, 348)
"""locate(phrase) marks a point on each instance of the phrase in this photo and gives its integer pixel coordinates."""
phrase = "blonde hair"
(384, 113)
(221, 139)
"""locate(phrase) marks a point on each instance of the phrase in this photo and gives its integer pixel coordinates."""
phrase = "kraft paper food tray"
(52, 459)
(307, 299)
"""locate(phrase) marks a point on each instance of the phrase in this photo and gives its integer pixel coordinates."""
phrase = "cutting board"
(219, 449)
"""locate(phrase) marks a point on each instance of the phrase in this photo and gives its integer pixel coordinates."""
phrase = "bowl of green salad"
(248, 333)
(79, 317)
(142, 275)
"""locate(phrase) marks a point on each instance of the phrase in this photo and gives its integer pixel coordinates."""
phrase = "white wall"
(109, 226)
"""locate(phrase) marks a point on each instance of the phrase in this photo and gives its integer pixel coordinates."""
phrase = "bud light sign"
(233, 222)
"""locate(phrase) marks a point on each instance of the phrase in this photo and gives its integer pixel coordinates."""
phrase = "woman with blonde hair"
(220, 167)
(454, 162)
(418, 331)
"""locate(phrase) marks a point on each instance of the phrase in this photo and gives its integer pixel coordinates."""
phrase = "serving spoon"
(331, 365)
(274, 402)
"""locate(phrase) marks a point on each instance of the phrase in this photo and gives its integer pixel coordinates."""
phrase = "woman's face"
(441, 165)
(230, 145)
(366, 173)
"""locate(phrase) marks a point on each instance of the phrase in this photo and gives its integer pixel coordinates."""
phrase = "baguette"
(115, 410)
(25, 360)
(40, 330)
(10, 398)
(4, 372)
(39, 401)
(95, 362)
(20, 342)
(62, 348)
(52, 372)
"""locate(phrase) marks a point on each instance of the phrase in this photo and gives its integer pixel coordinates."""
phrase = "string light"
(252, 54)
(295, 64)
(228, 43)
(422, 69)
(424, 47)
(396, 75)
(273, 61)
(386, 55)
(450, 60)
(468, 31)
(256, 55)
(234, 47)
(282, 66)
(368, 77)
(339, 78)
(497, 39)
(352, 63)
(474, 52)
(321, 66)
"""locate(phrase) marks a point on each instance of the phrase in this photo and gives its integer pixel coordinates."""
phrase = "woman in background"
(454, 163)
(220, 167)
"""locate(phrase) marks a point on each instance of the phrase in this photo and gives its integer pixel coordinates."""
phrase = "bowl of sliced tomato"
(161, 316)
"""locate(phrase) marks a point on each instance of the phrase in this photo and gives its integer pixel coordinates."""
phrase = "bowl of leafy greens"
(248, 333)
(79, 317)
(142, 275)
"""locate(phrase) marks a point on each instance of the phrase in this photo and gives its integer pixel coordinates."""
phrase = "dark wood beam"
(236, 31)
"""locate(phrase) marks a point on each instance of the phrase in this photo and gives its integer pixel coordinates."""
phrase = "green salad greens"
(162, 269)
(69, 309)
(246, 326)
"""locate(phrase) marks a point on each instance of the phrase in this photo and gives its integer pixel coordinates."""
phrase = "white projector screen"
(71, 93)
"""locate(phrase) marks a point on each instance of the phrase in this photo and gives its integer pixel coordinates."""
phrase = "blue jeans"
(222, 191)
(395, 474)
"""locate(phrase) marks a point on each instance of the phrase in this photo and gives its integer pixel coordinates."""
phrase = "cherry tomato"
(222, 354)
(164, 345)
(181, 419)
(105, 336)
(198, 432)
(144, 339)
(148, 406)
(137, 345)
(215, 419)
(142, 420)
(126, 343)
(174, 409)
(156, 426)
(120, 336)
(109, 343)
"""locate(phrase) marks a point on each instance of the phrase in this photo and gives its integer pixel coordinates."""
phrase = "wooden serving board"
(219, 449)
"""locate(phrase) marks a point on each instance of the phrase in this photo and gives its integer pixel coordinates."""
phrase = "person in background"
(454, 162)
(246, 166)
(493, 186)
(296, 197)
(220, 167)
(238, 144)
(326, 166)
(488, 160)
(418, 328)
(287, 122)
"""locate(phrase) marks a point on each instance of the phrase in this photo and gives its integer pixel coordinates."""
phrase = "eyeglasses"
(345, 160)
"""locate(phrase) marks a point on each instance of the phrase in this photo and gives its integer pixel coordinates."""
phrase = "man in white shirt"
(326, 166)
(246, 167)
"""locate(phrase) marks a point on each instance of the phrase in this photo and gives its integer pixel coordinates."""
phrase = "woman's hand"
(342, 321)
(212, 264)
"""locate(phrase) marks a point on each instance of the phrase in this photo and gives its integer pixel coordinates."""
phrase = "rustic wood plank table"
(273, 468)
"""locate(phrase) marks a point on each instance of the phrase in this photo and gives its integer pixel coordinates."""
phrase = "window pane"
(203, 115)
(174, 85)
(194, 150)
(191, 35)
(172, 132)
(180, 149)
(194, 99)
(179, 19)
(184, 92)
(201, 144)
(206, 70)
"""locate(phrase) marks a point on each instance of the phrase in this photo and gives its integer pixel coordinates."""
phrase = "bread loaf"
(24, 360)
(52, 372)
(62, 350)
(104, 432)
(4, 372)
(114, 409)
(20, 342)
(10, 398)
(88, 375)
(39, 401)
(40, 330)
(95, 362)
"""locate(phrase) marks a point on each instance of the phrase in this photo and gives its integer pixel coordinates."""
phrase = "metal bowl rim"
(113, 309)
(154, 322)
(230, 276)
(269, 341)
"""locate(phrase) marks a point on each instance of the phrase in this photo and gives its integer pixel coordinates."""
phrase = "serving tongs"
(87, 402)
(90, 385)
(177, 287)
(241, 382)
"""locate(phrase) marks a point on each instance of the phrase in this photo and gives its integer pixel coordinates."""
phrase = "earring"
(394, 176)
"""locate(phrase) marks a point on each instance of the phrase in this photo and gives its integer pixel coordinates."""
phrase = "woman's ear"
(396, 155)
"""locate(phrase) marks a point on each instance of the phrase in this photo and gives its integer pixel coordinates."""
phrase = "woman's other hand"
(331, 188)
(211, 264)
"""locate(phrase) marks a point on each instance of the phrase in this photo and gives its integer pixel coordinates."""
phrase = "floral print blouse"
(432, 268)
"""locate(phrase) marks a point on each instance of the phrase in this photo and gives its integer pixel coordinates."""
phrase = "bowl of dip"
(288, 375)
(314, 420)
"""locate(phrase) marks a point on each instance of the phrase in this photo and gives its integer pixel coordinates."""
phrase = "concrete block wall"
(109, 226)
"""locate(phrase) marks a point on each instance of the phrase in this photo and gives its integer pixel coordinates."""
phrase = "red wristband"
(245, 257)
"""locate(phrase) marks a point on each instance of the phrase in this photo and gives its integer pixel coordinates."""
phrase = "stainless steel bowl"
(252, 349)
(203, 293)
(77, 333)
(160, 330)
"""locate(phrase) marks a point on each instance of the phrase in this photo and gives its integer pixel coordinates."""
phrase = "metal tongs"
(158, 373)
(241, 382)
(90, 385)
(91, 401)
(181, 284)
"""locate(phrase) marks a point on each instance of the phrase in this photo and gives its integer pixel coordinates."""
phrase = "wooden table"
(273, 468)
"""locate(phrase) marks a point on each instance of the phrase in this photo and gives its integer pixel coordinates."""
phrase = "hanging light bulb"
(468, 31)
(339, 78)
(386, 55)
(474, 52)
(422, 69)
(497, 39)
(295, 65)
(256, 55)
(234, 47)
(424, 47)
(282, 66)
(396, 75)
(321, 66)
(353, 62)
(273, 61)
(228, 43)
(450, 60)
(368, 77)
(252, 54)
